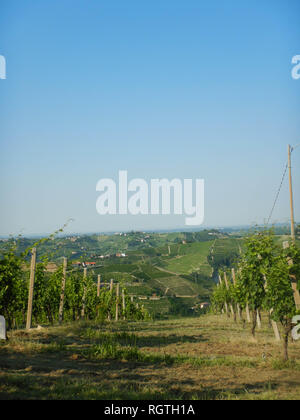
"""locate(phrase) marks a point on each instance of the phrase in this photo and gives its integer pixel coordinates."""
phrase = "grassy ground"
(194, 358)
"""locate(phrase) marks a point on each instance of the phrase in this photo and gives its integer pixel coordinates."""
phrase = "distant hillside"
(170, 272)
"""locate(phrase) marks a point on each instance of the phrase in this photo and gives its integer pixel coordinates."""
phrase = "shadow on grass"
(68, 375)
(132, 339)
(113, 382)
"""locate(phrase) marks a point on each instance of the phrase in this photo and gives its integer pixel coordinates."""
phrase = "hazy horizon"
(171, 229)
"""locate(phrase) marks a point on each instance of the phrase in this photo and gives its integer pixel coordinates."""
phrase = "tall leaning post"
(247, 309)
(227, 287)
(117, 301)
(123, 304)
(62, 294)
(290, 149)
(31, 288)
(219, 284)
(273, 323)
(225, 303)
(248, 312)
(111, 288)
(84, 293)
(98, 285)
(237, 305)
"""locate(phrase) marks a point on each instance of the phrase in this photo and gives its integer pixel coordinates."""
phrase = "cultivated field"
(208, 357)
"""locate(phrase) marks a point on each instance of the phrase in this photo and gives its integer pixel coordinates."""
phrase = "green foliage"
(264, 278)
(293, 253)
(224, 253)
(219, 297)
(279, 296)
(12, 285)
(79, 292)
(74, 295)
(177, 307)
(254, 266)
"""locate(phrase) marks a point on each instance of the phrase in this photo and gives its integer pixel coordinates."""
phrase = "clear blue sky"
(162, 88)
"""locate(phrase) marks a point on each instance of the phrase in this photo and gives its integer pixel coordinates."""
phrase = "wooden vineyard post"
(131, 298)
(111, 288)
(31, 288)
(247, 309)
(3, 335)
(84, 293)
(248, 313)
(258, 320)
(293, 280)
(237, 305)
(98, 285)
(117, 301)
(290, 149)
(98, 292)
(220, 283)
(227, 287)
(62, 295)
(225, 303)
(123, 304)
(273, 323)
(275, 328)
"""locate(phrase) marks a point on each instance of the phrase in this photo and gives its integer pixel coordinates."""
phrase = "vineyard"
(74, 328)
(266, 280)
(181, 270)
(58, 296)
(110, 290)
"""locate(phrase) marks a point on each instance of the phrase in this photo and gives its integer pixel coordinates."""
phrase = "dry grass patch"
(198, 358)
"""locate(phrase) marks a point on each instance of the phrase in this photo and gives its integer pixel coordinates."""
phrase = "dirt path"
(167, 271)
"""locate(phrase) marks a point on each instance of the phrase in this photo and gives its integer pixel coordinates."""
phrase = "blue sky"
(169, 88)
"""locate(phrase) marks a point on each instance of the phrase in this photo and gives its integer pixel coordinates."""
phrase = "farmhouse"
(154, 297)
(51, 267)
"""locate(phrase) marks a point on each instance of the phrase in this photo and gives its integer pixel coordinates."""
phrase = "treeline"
(265, 279)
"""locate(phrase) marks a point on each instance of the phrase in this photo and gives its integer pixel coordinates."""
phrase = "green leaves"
(265, 271)
(255, 263)
(279, 296)
(12, 285)
(220, 296)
